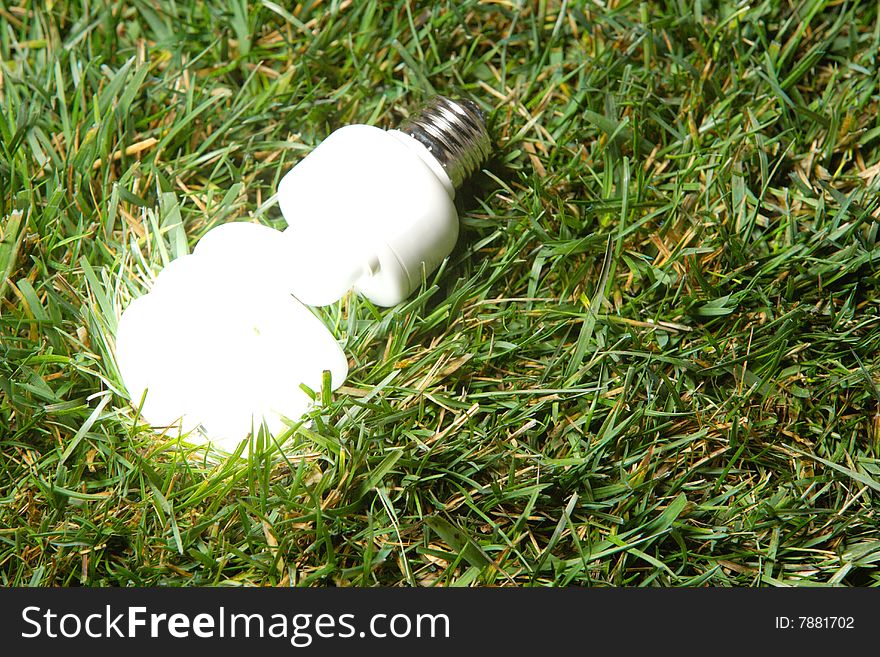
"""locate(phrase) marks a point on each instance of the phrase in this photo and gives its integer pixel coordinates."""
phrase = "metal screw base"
(454, 131)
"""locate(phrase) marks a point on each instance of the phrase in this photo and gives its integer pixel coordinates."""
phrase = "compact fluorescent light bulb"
(373, 209)
(222, 343)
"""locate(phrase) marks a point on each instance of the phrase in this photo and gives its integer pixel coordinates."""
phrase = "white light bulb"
(219, 342)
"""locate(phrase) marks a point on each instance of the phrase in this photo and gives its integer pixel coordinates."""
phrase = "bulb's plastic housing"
(367, 208)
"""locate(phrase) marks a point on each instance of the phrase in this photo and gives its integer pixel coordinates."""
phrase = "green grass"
(704, 410)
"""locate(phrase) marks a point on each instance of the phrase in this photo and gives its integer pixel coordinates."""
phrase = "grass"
(652, 359)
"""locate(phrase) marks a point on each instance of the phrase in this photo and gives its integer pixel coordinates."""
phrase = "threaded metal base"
(454, 131)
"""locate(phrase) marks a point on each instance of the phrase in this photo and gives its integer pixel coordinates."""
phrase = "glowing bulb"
(220, 343)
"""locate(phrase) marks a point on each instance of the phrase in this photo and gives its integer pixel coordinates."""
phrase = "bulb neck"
(454, 132)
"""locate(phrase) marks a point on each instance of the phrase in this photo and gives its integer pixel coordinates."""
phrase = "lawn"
(651, 360)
